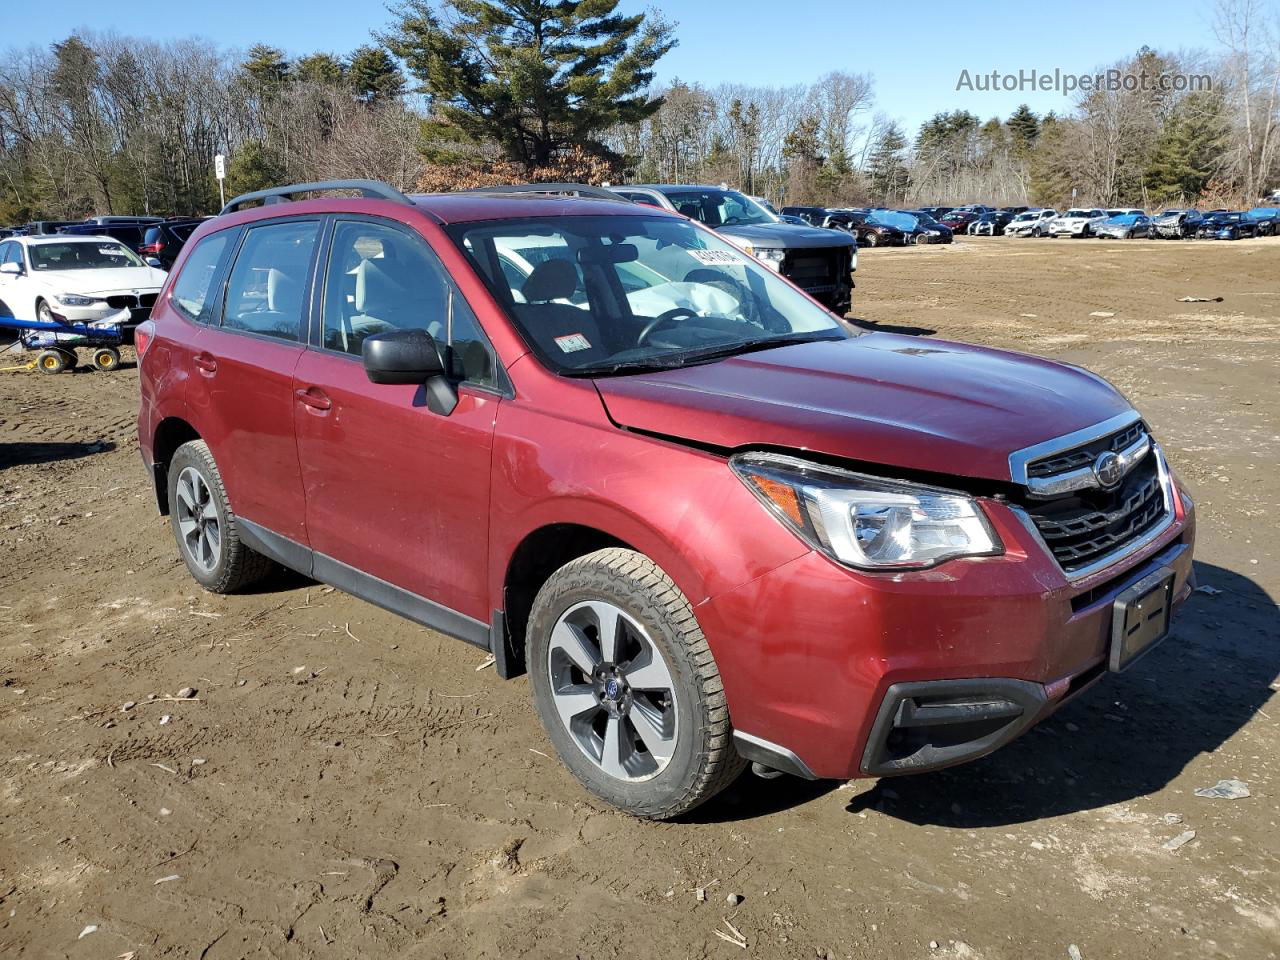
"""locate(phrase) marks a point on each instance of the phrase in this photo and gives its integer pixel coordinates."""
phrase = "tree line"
(460, 93)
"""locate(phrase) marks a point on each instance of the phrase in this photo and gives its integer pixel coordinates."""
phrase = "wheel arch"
(539, 554)
(170, 434)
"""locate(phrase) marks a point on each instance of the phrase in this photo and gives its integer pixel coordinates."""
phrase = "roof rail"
(566, 189)
(366, 188)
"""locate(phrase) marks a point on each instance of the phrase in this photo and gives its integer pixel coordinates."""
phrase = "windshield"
(82, 255)
(600, 295)
(719, 208)
(1076, 213)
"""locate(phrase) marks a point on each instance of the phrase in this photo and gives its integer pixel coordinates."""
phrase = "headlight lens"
(75, 300)
(866, 522)
(771, 257)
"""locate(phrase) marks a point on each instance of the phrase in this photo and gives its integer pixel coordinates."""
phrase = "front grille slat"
(1085, 526)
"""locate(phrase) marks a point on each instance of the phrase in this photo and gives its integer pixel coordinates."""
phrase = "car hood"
(121, 280)
(879, 398)
(787, 235)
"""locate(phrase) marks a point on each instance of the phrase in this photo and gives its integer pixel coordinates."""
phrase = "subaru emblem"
(611, 689)
(1108, 469)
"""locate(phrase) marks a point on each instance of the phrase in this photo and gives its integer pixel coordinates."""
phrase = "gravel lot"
(347, 784)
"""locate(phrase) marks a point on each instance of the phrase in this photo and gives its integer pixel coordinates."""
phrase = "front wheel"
(106, 358)
(627, 688)
(205, 526)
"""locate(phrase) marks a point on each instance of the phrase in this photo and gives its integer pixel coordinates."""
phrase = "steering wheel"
(663, 319)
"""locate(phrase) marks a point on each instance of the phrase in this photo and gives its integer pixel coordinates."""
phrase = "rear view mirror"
(401, 356)
(613, 253)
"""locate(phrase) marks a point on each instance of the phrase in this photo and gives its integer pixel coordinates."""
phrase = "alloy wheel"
(612, 690)
(197, 516)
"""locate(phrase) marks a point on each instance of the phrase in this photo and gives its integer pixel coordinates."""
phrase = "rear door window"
(268, 284)
(191, 287)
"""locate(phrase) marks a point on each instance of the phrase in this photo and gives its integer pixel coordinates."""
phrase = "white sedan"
(76, 279)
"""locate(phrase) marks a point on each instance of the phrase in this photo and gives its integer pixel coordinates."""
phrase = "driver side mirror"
(410, 357)
(11, 268)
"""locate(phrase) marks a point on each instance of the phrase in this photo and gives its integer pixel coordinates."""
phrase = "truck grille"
(1086, 526)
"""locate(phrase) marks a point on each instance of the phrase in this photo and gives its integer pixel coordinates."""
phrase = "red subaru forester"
(596, 439)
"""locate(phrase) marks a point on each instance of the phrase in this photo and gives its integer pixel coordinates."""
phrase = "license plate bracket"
(1140, 618)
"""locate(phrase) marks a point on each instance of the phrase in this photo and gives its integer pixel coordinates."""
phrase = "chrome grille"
(1091, 525)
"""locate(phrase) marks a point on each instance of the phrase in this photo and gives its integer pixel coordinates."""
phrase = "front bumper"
(1065, 230)
(813, 655)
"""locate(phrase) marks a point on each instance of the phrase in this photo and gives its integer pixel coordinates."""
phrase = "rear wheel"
(626, 687)
(52, 361)
(872, 240)
(205, 526)
(106, 358)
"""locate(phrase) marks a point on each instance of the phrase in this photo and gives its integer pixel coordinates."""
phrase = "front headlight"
(771, 257)
(75, 300)
(866, 522)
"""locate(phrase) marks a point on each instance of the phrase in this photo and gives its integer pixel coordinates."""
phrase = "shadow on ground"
(22, 454)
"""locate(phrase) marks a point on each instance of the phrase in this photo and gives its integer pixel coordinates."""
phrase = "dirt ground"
(346, 784)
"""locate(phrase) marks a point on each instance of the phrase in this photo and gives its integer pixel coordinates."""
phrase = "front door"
(393, 490)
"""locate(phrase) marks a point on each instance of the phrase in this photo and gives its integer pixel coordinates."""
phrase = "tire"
(44, 313)
(52, 361)
(684, 712)
(873, 240)
(218, 559)
(106, 358)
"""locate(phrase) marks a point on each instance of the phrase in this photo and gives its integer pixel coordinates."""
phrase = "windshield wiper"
(691, 357)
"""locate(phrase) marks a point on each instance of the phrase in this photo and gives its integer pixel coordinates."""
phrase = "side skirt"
(367, 587)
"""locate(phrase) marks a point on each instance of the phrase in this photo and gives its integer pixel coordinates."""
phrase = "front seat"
(550, 323)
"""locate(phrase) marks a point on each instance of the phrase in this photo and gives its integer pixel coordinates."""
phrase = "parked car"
(76, 278)
(917, 226)
(937, 213)
(1124, 226)
(813, 216)
(1077, 222)
(1266, 220)
(162, 242)
(864, 225)
(1122, 211)
(1226, 226)
(957, 221)
(1015, 210)
(130, 234)
(990, 224)
(821, 262)
(106, 220)
(38, 228)
(1029, 223)
(665, 514)
(1176, 224)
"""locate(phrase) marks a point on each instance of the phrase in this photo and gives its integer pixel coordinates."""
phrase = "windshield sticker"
(573, 342)
(714, 258)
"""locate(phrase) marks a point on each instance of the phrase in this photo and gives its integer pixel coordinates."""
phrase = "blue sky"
(916, 50)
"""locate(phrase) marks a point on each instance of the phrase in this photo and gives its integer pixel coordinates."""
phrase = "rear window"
(191, 288)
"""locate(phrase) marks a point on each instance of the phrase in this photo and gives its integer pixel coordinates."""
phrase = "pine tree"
(266, 66)
(322, 69)
(1189, 150)
(1024, 126)
(535, 76)
(374, 75)
(887, 167)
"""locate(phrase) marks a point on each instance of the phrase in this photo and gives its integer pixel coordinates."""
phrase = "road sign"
(220, 167)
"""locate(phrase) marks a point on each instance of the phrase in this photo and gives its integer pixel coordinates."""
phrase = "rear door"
(393, 490)
(242, 389)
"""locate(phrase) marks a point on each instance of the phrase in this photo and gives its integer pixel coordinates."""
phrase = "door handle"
(313, 397)
(205, 363)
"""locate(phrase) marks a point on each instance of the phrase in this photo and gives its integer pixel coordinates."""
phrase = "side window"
(268, 283)
(6, 252)
(191, 288)
(383, 278)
